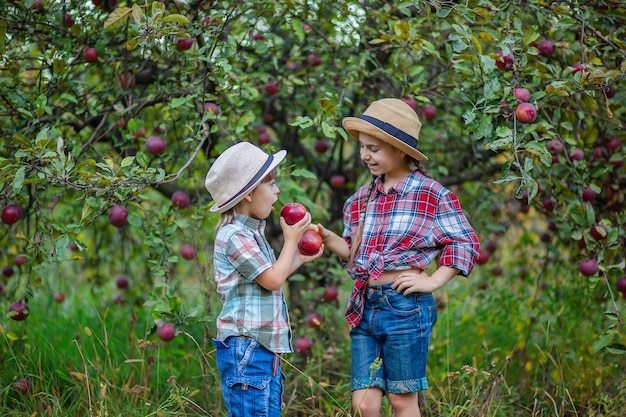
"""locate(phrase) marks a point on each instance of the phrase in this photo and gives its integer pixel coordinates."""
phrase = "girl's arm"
(334, 242)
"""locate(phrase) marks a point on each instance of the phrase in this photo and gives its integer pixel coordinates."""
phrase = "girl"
(394, 228)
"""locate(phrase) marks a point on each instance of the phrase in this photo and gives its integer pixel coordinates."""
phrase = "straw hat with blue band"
(392, 121)
(236, 172)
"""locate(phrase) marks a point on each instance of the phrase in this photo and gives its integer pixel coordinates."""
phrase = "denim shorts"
(251, 378)
(390, 345)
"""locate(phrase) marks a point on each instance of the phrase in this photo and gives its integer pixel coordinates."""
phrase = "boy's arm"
(290, 258)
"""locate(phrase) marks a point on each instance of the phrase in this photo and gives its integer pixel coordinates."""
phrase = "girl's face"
(263, 197)
(380, 157)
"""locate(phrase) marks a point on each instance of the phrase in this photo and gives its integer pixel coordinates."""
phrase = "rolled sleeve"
(456, 236)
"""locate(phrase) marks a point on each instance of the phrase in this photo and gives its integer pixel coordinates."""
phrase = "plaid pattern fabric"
(241, 253)
(415, 222)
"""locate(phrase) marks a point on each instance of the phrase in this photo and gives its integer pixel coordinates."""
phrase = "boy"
(253, 328)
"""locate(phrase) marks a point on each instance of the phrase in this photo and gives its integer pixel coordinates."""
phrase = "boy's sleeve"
(246, 256)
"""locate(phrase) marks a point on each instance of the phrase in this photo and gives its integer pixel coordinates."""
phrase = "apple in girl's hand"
(310, 243)
(293, 213)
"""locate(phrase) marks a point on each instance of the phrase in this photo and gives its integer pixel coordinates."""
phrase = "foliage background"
(526, 334)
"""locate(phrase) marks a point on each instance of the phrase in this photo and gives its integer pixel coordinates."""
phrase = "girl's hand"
(415, 280)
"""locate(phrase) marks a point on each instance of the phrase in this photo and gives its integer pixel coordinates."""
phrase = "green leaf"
(178, 18)
(303, 173)
(127, 161)
(603, 341)
(616, 349)
(18, 180)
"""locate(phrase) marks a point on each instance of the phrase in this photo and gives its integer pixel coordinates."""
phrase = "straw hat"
(236, 172)
(390, 120)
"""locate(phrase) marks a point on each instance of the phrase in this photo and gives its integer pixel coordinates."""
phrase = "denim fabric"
(251, 378)
(390, 345)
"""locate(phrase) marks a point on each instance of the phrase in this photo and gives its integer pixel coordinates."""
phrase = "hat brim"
(277, 158)
(355, 125)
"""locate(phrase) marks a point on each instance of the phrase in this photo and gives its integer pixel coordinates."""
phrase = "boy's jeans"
(252, 380)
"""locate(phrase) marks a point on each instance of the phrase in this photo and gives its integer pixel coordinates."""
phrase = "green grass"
(523, 346)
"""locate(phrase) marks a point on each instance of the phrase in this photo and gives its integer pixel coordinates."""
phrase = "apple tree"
(111, 113)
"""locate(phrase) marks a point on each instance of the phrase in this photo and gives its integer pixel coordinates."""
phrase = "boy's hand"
(294, 232)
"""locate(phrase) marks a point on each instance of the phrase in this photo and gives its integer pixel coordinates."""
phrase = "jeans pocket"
(248, 396)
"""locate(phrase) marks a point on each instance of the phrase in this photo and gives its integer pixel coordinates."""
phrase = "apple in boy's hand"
(293, 213)
(310, 243)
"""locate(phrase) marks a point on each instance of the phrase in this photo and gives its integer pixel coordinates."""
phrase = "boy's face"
(263, 198)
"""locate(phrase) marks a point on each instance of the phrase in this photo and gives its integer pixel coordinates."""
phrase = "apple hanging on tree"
(155, 145)
(11, 214)
(526, 112)
(304, 345)
(90, 54)
(166, 332)
(588, 267)
(180, 199)
(188, 252)
(19, 311)
(118, 216)
(330, 293)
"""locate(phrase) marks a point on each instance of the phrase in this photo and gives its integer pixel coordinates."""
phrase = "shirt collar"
(250, 222)
(402, 187)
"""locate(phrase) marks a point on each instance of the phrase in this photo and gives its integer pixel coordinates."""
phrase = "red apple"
(166, 332)
(293, 213)
(505, 62)
(187, 251)
(330, 293)
(37, 6)
(122, 282)
(260, 128)
(491, 246)
(67, 20)
(321, 146)
(118, 216)
(210, 107)
(184, 44)
(588, 267)
(609, 91)
(180, 199)
(555, 147)
(19, 311)
(314, 320)
(140, 133)
(19, 260)
(263, 138)
(21, 386)
(546, 47)
(11, 214)
(310, 243)
(337, 181)
(620, 284)
(526, 112)
(410, 101)
(613, 144)
(548, 204)
(258, 37)
(483, 257)
(599, 231)
(304, 345)
(271, 87)
(314, 60)
(522, 94)
(589, 194)
(429, 112)
(155, 145)
(7, 271)
(59, 297)
(90, 54)
(577, 155)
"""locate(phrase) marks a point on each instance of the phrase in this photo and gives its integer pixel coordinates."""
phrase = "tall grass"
(520, 346)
